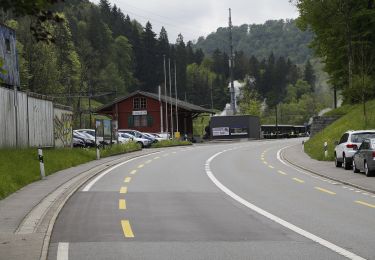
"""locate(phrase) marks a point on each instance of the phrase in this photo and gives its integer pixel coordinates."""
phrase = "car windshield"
(358, 138)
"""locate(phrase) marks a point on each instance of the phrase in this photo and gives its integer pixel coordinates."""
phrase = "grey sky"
(194, 18)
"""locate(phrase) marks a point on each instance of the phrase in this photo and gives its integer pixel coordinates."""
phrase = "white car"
(348, 145)
(142, 141)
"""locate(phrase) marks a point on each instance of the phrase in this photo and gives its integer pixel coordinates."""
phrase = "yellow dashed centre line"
(141, 166)
(149, 161)
(126, 228)
(298, 180)
(122, 204)
(281, 172)
(123, 190)
(324, 190)
(127, 179)
(365, 204)
(133, 171)
(271, 166)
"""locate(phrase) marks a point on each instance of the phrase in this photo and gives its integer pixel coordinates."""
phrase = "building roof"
(181, 104)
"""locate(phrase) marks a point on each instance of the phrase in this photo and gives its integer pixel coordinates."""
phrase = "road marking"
(271, 166)
(274, 218)
(88, 186)
(149, 161)
(121, 204)
(265, 162)
(63, 251)
(123, 190)
(281, 172)
(133, 172)
(298, 180)
(365, 204)
(157, 157)
(324, 190)
(174, 152)
(127, 179)
(126, 228)
(141, 166)
(165, 155)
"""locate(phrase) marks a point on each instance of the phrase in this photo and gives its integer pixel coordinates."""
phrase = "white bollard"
(41, 163)
(97, 153)
(325, 149)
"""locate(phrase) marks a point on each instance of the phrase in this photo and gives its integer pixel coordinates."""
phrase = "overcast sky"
(194, 18)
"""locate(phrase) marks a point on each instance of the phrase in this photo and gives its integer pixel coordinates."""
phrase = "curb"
(325, 176)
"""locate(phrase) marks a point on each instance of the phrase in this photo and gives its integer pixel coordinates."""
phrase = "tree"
(309, 75)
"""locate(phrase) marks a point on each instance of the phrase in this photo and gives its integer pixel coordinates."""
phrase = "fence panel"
(7, 118)
(40, 122)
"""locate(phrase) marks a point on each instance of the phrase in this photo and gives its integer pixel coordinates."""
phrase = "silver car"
(348, 145)
(364, 158)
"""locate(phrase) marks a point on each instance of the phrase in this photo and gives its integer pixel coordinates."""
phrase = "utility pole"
(232, 93)
(165, 93)
(175, 90)
(170, 97)
(161, 111)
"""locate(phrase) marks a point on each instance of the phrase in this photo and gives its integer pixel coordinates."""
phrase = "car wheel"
(337, 163)
(141, 144)
(347, 165)
(367, 170)
(355, 170)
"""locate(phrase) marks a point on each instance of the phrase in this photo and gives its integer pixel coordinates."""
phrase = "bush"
(168, 143)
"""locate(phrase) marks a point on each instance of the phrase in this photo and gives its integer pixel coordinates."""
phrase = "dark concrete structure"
(8, 54)
(232, 127)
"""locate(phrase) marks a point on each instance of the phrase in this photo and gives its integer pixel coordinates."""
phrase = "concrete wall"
(321, 122)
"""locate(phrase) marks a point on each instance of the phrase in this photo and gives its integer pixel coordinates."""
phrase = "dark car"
(364, 158)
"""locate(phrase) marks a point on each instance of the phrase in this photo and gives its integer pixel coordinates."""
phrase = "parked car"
(364, 158)
(86, 138)
(142, 141)
(139, 135)
(124, 138)
(153, 137)
(78, 142)
(348, 145)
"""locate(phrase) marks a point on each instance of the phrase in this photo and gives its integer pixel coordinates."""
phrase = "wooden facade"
(142, 111)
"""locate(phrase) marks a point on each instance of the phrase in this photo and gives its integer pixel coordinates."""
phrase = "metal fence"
(27, 121)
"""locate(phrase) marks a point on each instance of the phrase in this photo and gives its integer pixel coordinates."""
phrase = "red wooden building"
(144, 111)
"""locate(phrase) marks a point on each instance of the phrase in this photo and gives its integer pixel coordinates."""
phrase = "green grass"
(352, 119)
(19, 167)
(200, 123)
(168, 143)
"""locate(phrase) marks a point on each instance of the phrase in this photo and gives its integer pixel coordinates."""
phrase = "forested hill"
(281, 37)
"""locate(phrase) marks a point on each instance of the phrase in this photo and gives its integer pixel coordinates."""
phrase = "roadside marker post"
(97, 153)
(303, 145)
(41, 163)
(325, 149)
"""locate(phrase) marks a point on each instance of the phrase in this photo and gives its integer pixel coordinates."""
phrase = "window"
(344, 138)
(7, 45)
(139, 103)
(140, 121)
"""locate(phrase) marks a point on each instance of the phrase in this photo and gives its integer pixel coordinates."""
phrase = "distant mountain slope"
(281, 37)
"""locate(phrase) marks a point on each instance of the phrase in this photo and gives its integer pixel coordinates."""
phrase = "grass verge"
(19, 167)
(168, 143)
(352, 119)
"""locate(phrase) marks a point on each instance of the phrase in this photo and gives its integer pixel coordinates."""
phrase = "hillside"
(352, 119)
(281, 37)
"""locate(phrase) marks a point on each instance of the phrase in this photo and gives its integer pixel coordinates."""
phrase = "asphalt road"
(217, 201)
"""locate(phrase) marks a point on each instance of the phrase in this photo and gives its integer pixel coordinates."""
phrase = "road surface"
(216, 201)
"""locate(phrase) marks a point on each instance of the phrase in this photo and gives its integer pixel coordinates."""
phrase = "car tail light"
(353, 146)
(373, 154)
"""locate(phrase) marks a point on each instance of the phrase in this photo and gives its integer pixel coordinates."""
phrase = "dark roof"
(181, 104)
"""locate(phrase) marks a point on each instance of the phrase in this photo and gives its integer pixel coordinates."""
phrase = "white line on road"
(63, 251)
(91, 183)
(274, 218)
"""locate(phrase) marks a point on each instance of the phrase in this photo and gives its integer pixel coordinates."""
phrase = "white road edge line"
(97, 178)
(274, 218)
(63, 251)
